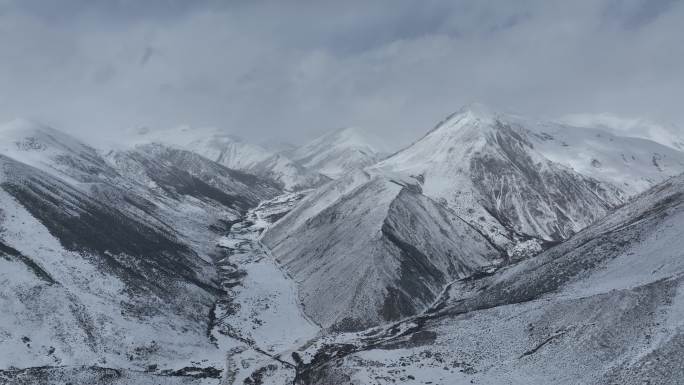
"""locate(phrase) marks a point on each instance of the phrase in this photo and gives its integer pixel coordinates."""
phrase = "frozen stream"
(259, 323)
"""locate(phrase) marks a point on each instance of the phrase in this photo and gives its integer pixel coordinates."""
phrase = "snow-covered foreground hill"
(109, 263)
(605, 307)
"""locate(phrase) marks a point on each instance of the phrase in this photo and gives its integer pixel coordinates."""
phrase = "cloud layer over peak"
(295, 69)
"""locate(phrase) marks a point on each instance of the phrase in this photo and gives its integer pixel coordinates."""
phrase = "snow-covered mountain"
(289, 175)
(479, 190)
(367, 249)
(338, 152)
(234, 153)
(110, 262)
(53, 152)
(668, 135)
(532, 177)
(494, 249)
(177, 171)
(605, 307)
(212, 143)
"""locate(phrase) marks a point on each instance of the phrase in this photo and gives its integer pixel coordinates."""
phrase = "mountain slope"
(668, 135)
(337, 152)
(507, 174)
(234, 153)
(378, 251)
(631, 164)
(186, 171)
(109, 262)
(53, 152)
(605, 307)
(79, 276)
(288, 174)
(489, 173)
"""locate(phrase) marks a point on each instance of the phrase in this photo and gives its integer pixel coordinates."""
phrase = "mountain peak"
(347, 137)
(338, 152)
(472, 120)
(22, 126)
(182, 135)
(29, 135)
(479, 110)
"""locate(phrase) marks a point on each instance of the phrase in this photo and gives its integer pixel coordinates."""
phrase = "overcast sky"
(291, 69)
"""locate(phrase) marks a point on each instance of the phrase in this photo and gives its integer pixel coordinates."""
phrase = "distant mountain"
(289, 175)
(234, 153)
(278, 146)
(212, 143)
(668, 135)
(177, 171)
(337, 152)
(53, 152)
(604, 307)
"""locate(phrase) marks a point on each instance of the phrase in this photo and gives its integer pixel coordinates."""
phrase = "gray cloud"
(290, 69)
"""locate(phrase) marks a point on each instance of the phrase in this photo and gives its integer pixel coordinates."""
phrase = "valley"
(259, 314)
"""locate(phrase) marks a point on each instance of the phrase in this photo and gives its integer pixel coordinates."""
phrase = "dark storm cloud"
(294, 68)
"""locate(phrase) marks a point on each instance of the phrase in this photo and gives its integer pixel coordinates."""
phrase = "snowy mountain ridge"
(51, 151)
(338, 152)
(234, 153)
(368, 250)
(210, 142)
(156, 263)
(110, 262)
(668, 135)
(310, 165)
(461, 161)
(491, 174)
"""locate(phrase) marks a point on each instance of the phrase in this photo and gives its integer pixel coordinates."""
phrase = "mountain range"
(494, 249)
